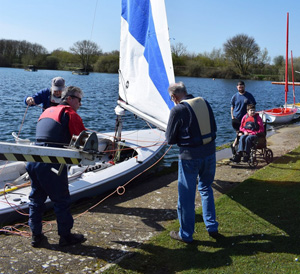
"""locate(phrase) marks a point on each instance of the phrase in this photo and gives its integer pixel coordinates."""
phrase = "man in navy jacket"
(48, 96)
(193, 128)
(55, 128)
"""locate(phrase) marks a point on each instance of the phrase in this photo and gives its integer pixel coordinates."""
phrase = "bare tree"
(179, 49)
(242, 51)
(264, 57)
(86, 50)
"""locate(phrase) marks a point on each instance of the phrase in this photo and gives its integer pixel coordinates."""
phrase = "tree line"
(240, 57)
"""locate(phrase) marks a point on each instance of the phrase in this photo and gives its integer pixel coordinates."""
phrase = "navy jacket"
(41, 97)
(183, 130)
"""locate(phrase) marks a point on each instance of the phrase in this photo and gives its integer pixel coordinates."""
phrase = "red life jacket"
(55, 112)
(51, 128)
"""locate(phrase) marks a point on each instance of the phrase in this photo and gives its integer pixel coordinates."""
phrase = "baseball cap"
(58, 83)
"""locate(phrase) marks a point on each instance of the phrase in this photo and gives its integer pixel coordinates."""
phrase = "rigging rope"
(94, 20)
(23, 120)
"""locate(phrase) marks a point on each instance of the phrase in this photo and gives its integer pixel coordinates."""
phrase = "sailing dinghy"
(102, 162)
(294, 105)
(284, 114)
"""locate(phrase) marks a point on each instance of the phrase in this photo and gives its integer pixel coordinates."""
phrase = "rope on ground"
(120, 190)
(23, 230)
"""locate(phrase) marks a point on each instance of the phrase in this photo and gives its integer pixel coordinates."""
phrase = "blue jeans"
(246, 142)
(188, 171)
(44, 183)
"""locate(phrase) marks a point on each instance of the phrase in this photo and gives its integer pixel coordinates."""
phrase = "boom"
(83, 149)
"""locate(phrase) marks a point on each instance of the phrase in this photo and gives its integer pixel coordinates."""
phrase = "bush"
(107, 63)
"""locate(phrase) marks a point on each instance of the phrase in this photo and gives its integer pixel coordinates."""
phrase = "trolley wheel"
(253, 161)
(268, 155)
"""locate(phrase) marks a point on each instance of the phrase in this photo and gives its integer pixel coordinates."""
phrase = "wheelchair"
(258, 150)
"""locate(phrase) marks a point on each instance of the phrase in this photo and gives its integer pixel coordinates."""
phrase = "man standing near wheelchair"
(239, 102)
(251, 126)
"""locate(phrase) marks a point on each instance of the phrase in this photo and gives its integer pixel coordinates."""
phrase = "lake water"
(101, 94)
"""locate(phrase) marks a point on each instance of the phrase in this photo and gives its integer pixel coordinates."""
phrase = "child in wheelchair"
(251, 127)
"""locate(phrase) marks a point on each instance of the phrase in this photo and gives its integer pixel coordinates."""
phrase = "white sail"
(146, 68)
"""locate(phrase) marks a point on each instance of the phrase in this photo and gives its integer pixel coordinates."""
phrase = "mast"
(293, 79)
(286, 88)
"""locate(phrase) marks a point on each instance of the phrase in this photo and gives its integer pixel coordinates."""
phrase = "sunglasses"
(73, 96)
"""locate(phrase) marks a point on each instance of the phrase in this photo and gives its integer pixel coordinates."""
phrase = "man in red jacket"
(55, 128)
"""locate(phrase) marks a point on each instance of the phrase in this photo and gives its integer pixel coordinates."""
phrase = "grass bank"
(260, 219)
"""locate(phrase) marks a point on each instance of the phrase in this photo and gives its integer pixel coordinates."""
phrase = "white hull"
(148, 145)
(297, 105)
(278, 115)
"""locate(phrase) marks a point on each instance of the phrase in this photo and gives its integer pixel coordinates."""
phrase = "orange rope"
(13, 206)
(120, 190)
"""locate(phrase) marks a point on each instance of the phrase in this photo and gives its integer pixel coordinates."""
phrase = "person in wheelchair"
(251, 127)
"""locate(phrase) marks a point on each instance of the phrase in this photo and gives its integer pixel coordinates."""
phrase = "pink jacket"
(256, 119)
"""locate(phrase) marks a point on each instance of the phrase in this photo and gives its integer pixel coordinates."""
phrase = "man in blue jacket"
(193, 128)
(48, 96)
(239, 102)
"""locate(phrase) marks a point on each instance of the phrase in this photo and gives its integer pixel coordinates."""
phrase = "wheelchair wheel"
(268, 155)
(234, 149)
(253, 161)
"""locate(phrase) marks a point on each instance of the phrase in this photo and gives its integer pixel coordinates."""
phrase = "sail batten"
(145, 58)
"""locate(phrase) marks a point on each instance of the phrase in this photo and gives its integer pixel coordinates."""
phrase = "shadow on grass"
(290, 158)
(266, 223)
(202, 255)
(273, 193)
(260, 219)
(276, 202)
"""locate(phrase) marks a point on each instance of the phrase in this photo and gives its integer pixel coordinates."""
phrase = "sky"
(200, 25)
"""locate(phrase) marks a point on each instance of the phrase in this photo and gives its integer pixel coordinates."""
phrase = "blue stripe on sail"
(138, 14)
